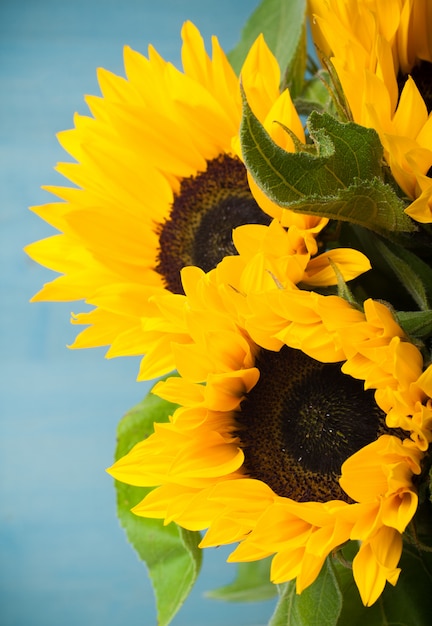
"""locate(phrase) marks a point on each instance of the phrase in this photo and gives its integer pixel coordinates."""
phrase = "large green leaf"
(319, 605)
(286, 613)
(339, 176)
(342, 152)
(252, 584)
(171, 553)
(283, 25)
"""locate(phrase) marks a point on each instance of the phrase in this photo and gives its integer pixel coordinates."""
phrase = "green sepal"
(416, 323)
(170, 553)
(414, 274)
(252, 584)
(283, 26)
(340, 177)
(343, 291)
(339, 102)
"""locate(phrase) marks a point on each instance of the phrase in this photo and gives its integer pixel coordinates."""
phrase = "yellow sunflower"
(268, 257)
(382, 53)
(158, 185)
(280, 451)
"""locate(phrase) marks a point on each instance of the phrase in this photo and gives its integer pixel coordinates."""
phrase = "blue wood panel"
(64, 558)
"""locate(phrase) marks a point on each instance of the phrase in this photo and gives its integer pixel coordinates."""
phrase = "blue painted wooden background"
(64, 558)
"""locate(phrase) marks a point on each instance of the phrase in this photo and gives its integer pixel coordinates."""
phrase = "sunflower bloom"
(382, 53)
(291, 485)
(158, 186)
(268, 257)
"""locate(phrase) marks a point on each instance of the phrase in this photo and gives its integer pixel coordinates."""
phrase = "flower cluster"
(214, 234)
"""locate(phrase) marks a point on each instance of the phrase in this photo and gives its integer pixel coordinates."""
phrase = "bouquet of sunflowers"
(257, 227)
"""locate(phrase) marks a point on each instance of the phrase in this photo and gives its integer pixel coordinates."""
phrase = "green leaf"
(339, 177)
(286, 613)
(283, 25)
(342, 152)
(318, 605)
(171, 553)
(252, 584)
(368, 203)
(294, 78)
(413, 273)
(138, 422)
(406, 604)
(416, 323)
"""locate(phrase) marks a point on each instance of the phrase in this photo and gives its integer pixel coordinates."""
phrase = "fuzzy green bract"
(340, 176)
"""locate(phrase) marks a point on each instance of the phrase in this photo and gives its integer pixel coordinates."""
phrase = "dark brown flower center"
(301, 421)
(422, 76)
(204, 213)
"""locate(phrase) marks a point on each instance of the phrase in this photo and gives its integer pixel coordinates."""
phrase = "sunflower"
(268, 256)
(283, 452)
(158, 186)
(382, 53)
